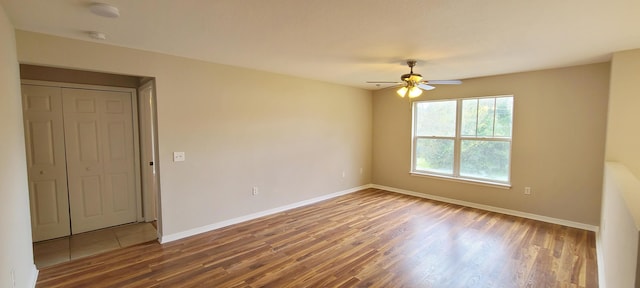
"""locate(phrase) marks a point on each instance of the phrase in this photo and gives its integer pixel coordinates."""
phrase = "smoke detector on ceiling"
(97, 35)
(104, 10)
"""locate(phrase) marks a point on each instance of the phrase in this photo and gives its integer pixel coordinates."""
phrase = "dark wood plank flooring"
(370, 238)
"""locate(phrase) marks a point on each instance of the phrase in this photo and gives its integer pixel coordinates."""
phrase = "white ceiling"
(352, 41)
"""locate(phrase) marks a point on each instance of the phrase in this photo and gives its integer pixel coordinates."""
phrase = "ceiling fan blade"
(440, 82)
(384, 82)
(425, 86)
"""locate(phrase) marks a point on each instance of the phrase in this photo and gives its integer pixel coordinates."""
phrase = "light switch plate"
(178, 156)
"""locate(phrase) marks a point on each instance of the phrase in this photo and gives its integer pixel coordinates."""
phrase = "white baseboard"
(491, 208)
(34, 276)
(218, 225)
(210, 227)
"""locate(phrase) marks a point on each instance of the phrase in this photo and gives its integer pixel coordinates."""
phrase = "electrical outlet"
(361, 170)
(527, 190)
(344, 174)
(254, 191)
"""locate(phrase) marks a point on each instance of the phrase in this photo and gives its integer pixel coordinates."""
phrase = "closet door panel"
(46, 165)
(99, 136)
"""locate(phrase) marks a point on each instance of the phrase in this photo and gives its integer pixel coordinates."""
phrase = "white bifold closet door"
(98, 131)
(46, 164)
(80, 153)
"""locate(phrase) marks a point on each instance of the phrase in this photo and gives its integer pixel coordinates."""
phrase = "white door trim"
(148, 150)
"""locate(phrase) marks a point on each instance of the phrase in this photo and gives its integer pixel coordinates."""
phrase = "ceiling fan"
(412, 83)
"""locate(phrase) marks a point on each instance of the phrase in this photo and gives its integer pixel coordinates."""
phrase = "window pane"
(504, 116)
(485, 117)
(485, 159)
(436, 118)
(469, 117)
(434, 155)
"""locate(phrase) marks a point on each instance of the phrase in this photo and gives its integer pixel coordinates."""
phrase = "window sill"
(460, 180)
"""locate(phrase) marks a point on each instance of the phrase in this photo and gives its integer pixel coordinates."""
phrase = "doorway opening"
(92, 161)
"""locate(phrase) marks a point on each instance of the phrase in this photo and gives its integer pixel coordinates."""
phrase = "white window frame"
(455, 176)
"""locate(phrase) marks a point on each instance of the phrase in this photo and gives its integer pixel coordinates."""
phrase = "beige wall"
(620, 223)
(623, 138)
(558, 142)
(15, 239)
(290, 137)
(619, 236)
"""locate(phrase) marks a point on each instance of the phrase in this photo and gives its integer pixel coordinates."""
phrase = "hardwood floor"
(370, 238)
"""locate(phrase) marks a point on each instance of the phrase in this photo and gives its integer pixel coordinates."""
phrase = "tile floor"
(50, 252)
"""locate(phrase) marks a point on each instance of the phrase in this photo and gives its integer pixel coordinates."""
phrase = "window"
(464, 138)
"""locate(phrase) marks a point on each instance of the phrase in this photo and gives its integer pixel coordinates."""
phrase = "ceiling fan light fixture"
(415, 78)
(414, 92)
(411, 91)
(413, 85)
(402, 91)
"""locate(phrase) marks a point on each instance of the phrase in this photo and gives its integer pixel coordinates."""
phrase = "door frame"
(149, 151)
(136, 132)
